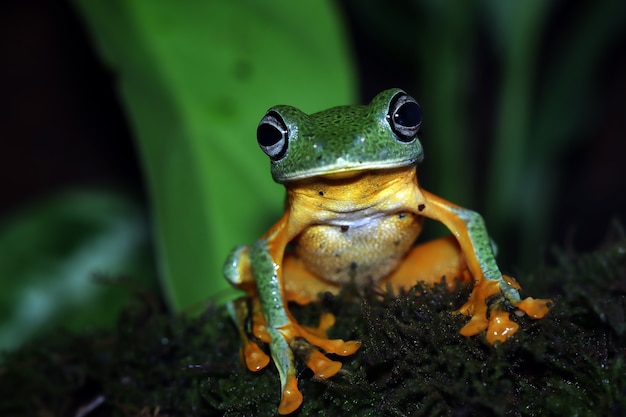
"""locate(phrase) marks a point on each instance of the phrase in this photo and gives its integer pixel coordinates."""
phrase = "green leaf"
(196, 77)
(51, 252)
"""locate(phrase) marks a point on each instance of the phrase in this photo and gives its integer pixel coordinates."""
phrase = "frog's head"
(342, 140)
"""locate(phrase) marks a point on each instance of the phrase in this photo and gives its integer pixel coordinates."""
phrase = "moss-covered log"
(412, 362)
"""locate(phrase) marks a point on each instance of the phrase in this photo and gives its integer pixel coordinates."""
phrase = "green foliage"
(195, 78)
(412, 362)
(52, 254)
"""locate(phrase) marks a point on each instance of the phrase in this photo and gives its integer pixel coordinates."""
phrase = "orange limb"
(250, 353)
(302, 286)
(321, 366)
(430, 262)
(535, 308)
(291, 397)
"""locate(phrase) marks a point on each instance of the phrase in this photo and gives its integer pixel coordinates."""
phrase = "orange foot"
(284, 342)
(494, 319)
(305, 343)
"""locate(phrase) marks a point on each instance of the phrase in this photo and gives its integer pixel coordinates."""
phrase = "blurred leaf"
(508, 91)
(446, 61)
(517, 29)
(50, 253)
(196, 77)
(536, 125)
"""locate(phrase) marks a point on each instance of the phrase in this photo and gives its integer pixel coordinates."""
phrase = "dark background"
(62, 124)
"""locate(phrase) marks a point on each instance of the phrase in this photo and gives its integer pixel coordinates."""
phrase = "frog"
(353, 211)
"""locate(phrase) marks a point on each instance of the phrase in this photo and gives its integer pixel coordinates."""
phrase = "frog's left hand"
(494, 294)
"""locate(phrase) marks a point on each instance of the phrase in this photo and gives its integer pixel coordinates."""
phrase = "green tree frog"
(353, 211)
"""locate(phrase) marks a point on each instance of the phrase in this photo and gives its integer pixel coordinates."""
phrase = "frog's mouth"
(348, 171)
(342, 175)
(356, 178)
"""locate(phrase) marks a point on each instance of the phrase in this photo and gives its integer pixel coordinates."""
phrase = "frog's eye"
(272, 135)
(404, 117)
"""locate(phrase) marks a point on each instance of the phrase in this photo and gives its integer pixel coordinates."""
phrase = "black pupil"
(409, 114)
(268, 135)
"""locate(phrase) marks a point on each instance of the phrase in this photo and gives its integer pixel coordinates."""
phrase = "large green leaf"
(195, 77)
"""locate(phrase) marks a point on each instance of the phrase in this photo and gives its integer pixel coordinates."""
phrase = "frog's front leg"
(494, 294)
(258, 270)
(239, 271)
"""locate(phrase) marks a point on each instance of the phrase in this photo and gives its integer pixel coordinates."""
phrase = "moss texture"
(413, 362)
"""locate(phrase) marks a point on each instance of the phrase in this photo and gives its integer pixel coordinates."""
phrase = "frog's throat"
(346, 171)
(322, 199)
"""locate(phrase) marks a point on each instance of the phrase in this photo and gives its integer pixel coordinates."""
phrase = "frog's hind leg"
(302, 286)
(250, 354)
(430, 262)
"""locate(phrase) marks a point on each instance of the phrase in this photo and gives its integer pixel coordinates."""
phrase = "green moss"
(412, 362)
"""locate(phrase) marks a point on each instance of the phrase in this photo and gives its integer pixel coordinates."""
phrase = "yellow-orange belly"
(364, 250)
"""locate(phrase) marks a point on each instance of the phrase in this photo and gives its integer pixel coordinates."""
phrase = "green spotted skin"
(269, 288)
(342, 138)
(484, 252)
(267, 284)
